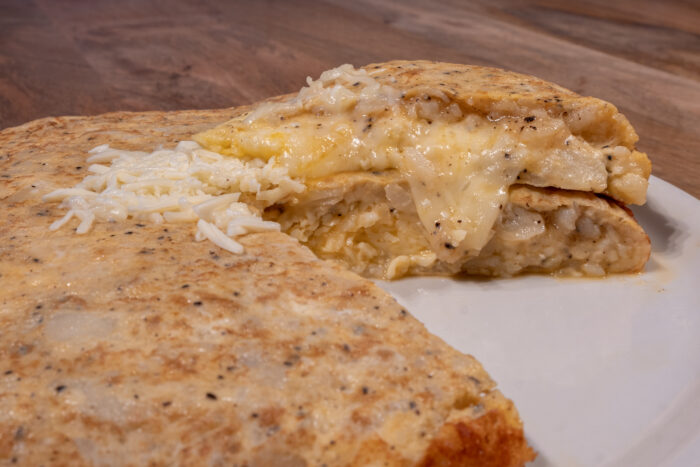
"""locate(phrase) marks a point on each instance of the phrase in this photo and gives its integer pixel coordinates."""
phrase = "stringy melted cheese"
(458, 167)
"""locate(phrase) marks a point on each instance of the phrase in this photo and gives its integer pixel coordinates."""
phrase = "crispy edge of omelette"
(48, 153)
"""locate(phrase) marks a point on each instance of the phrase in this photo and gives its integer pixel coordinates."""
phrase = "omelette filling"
(458, 164)
(368, 223)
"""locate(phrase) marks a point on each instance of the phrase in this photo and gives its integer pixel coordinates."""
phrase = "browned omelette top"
(486, 89)
(133, 344)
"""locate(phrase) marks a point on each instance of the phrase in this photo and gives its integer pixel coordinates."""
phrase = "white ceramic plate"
(604, 372)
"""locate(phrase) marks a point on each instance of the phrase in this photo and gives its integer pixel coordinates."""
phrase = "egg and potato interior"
(415, 180)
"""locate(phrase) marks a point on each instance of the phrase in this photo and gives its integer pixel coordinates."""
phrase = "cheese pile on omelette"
(184, 184)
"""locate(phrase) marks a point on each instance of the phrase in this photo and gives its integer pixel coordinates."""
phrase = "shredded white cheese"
(335, 91)
(185, 184)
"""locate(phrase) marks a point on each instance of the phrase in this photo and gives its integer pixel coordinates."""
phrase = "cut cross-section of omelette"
(447, 144)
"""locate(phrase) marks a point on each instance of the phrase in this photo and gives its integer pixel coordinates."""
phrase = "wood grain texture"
(62, 57)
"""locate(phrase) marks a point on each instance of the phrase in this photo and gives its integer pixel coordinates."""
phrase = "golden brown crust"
(485, 442)
(485, 90)
(493, 439)
(136, 344)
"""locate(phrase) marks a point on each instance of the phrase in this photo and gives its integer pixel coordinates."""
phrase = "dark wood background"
(60, 57)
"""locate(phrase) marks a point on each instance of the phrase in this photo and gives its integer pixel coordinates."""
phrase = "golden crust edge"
(495, 438)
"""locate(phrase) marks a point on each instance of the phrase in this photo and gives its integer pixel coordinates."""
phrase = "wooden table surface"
(60, 57)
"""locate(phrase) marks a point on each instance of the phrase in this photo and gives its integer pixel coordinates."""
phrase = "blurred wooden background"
(61, 57)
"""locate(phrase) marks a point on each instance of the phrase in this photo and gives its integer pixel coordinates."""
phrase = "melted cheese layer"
(458, 167)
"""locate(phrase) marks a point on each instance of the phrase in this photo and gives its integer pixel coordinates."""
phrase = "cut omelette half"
(131, 344)
(436, 168)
